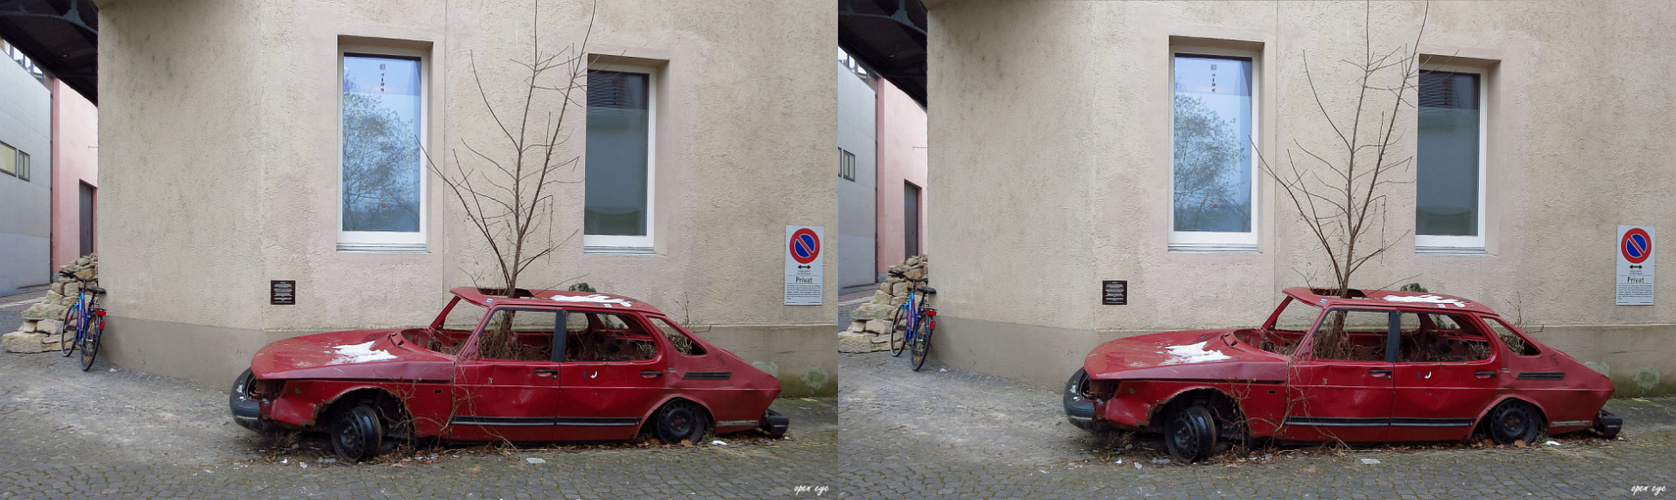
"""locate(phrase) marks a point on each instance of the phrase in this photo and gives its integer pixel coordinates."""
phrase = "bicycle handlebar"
(71, 275)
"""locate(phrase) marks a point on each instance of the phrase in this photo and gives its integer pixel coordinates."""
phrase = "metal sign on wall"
(282, 292)
(803, 265)
(1635, 265)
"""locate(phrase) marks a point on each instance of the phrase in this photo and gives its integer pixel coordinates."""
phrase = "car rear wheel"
(681, 420)
(1191, 433)
(357, 433)
(1513, 421)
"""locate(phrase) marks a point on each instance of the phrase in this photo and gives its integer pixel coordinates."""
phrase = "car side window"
(595, 336)
(1440, 337)
(519, 335)
(680, 341)
(1350, 335)
(1515, 342)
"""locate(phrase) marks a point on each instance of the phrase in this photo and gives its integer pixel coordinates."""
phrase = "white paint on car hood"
(1193, 353)
(359, 353)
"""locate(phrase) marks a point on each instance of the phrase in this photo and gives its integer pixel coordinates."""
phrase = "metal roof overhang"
(61, 36)
(889, 36)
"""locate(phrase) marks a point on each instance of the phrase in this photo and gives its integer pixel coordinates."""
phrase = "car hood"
(1184, 355)
(357, 354)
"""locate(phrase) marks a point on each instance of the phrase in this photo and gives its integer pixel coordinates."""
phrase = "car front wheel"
(1191, 433)
(357, 433)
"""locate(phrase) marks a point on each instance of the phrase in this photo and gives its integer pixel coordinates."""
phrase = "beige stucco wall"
(220, 133)
(1050, 154)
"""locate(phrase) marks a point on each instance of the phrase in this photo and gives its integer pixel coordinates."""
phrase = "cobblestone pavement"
(119, 434)
(949, 434)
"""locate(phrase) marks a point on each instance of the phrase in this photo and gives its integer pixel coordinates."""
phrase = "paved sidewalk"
(120, 434)
(949, 434)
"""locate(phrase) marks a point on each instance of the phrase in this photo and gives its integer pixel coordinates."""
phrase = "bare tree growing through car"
(506, 188)
(1340, 191)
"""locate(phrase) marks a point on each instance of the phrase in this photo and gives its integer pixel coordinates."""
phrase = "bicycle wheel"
(921, 341)
(90, 342)
(69, 332)
(899, 330)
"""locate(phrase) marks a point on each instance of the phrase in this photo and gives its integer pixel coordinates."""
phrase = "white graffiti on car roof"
(603, 300)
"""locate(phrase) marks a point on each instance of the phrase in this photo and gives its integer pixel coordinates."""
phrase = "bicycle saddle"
(95, 289)
(926, 289)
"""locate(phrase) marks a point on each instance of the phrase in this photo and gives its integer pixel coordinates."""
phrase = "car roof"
(549, 298)
(1385, 299)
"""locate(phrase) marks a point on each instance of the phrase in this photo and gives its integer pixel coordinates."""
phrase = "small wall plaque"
(1114, 292)
(282, 292)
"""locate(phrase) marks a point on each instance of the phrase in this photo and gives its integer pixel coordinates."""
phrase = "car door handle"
(546, 372)
(651, 374)
(1483, 374)
(1379, 372)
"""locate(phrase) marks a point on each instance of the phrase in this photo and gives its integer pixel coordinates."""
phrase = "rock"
(857, 326)
(58, 288)
(871, 311)
(23, 342)
(54, 298)
(71, 290)
(855, 342)
(28, 327)
(916, 273)
(84, 260)
(884, 287)
(85, 274)
(881, 297)
(49, 326)
(878, 326)
(41, 310)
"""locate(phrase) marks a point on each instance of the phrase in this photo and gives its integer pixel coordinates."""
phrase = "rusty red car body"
(432, 382)
(1431, 367)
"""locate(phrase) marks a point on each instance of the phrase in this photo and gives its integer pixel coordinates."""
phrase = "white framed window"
(22, 165)
(1213, 171)
(846, 164)
(1450, 160)
(381, 171)
(8, 159)
(621, 180)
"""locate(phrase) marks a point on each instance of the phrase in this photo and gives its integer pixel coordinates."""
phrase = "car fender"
(1484, 413)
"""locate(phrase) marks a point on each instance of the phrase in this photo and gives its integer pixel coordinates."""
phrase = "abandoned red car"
(544, 366)
(1378, 367)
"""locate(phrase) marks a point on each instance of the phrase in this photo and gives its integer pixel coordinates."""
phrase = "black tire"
(357, 433)
(921, 341)
(67, 332)
(1513, 421)
(90, 341)
(898, 330)
(1190, 434)
(681, 420)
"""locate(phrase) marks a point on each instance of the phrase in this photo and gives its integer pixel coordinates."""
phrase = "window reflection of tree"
(380, 168)
(1208, 187)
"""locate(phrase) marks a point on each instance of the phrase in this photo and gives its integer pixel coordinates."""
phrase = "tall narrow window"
(910, 220)
(382, 206)
(619, 185)
(1449, 183)
(846, 164)
(8, 159)
(23, 165)
(1213, 178)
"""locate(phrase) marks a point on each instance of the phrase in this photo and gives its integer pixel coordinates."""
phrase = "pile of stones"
(870, 324)
(42, 321)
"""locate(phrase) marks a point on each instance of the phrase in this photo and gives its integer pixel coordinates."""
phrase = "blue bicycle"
(86, 319)
(912, 323)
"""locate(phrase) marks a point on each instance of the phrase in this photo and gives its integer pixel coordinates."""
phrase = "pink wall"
(75, 159)
(902, 157)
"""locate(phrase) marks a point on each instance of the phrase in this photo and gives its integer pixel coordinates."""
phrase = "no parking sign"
(1635, 265)
(803, 265)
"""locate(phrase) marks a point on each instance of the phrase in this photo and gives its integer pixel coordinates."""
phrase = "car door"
(1447, 371)
(508, 394)
(612, 375)
(1341, 388)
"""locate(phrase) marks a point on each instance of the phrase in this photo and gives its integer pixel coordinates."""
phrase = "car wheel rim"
(1514, 422)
